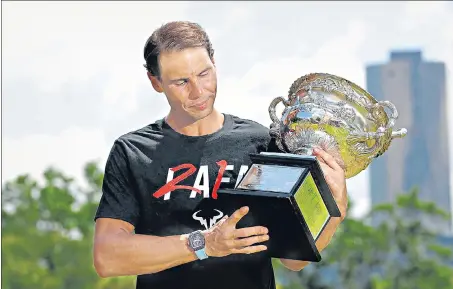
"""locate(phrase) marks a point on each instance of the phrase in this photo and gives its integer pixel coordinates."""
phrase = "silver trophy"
(286, 190)
(332, 113)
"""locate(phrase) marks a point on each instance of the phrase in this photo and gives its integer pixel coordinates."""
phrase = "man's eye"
(204, 73)
(180, 83)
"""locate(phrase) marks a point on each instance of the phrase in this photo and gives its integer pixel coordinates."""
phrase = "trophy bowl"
(330, 112)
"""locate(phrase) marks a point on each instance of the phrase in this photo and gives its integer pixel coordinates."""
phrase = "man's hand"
(224, 239)
(335, 178)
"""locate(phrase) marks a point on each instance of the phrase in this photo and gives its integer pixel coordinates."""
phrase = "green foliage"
(400, 253)
(47, 233)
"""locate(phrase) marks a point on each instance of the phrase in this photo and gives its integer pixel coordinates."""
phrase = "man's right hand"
(224, 239)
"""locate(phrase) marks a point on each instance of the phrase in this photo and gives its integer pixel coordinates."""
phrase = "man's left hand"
(335, 178)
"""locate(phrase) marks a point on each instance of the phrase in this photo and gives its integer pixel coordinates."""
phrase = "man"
(155, 177)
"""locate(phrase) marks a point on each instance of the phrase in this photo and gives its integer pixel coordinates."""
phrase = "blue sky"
(73, 78)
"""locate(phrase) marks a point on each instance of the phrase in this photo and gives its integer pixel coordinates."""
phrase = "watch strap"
(201, 254)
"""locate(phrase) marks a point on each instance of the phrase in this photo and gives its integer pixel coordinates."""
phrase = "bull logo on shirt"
(204, 220)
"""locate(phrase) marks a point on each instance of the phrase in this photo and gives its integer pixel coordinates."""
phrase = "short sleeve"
(118, 199)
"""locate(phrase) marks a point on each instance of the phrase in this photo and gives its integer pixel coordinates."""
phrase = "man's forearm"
(327, 234)
(322, 242)
(126, 254)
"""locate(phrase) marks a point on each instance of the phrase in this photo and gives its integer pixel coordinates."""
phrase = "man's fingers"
(250, 250)
(223, 220)
(325, 168)
(240, 243)
(326, 158)
(237, 216)
(327, 171)
(247, 232)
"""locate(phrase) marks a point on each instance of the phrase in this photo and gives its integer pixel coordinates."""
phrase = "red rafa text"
(190, 169)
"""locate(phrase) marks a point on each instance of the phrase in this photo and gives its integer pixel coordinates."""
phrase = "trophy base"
(287, 194)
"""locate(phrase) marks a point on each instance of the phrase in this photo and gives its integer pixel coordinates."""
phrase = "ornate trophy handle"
(383, 135)
(276, 125)
(272, 107)
(392, 118)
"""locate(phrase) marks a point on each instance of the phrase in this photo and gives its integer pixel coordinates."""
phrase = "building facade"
(421, 159)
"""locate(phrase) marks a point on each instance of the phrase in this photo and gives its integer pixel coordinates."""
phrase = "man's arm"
(119, 252)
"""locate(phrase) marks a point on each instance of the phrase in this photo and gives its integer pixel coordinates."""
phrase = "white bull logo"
(204, 221)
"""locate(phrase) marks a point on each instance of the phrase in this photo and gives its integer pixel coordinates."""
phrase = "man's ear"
(157, 85)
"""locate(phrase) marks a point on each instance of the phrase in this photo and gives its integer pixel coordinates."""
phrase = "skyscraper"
(418, 90)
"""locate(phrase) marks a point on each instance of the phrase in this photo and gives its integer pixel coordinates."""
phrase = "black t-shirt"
(140, 165)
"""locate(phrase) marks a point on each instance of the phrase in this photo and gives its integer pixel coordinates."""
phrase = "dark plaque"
(288, 194)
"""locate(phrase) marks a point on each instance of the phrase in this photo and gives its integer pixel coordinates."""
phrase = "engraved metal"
(327, 111)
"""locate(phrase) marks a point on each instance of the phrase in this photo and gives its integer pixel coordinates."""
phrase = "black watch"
(197, 244)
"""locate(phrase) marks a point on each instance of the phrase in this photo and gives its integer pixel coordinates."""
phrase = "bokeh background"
(73, 81)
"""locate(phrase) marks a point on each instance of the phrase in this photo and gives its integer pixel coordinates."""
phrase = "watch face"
(196, 241)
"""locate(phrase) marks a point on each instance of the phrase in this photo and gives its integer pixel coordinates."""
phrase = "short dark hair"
(174, 36)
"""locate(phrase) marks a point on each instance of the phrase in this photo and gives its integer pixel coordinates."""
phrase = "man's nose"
(197, 89)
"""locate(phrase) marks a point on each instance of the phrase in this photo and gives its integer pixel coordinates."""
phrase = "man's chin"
(201, 114)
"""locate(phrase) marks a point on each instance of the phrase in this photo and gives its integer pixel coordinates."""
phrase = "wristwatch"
(197, 244)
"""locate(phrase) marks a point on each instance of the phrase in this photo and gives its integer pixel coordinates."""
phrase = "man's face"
(189, 80)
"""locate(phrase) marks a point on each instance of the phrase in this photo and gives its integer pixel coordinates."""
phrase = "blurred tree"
(400, 253)
(47, 233)
(414, 259)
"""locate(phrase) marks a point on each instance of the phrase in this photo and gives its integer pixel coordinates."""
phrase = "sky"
(73, 78)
